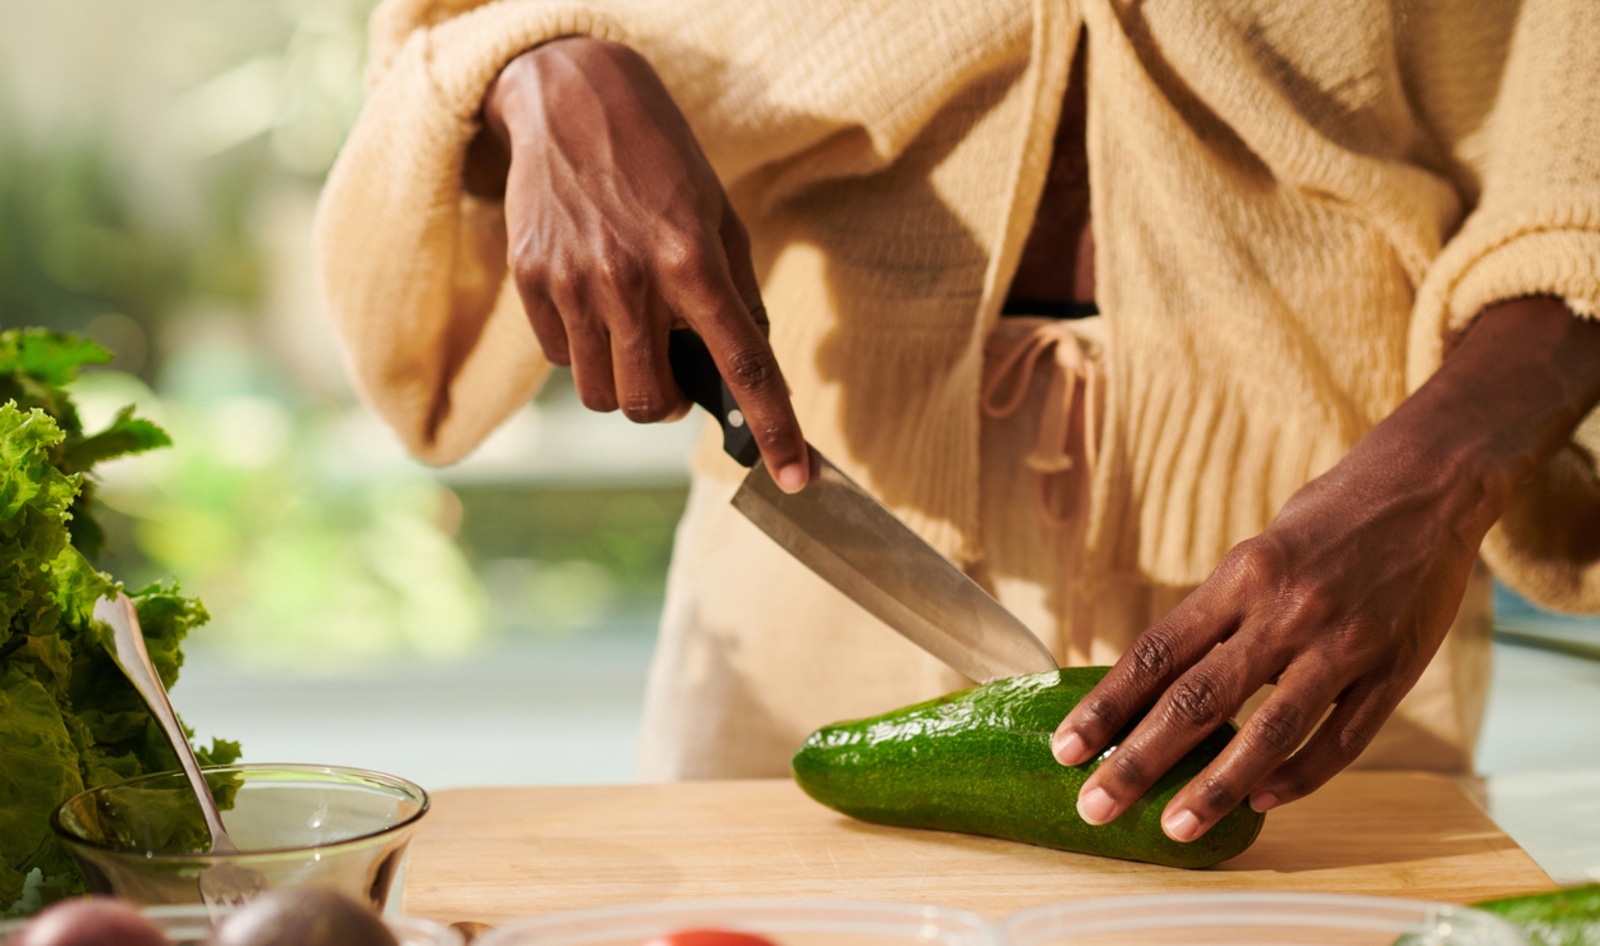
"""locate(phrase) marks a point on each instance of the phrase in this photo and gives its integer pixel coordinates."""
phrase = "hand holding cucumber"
(1347, 595)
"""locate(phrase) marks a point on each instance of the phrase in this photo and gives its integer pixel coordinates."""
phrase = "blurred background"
(159, 166)
(484, 624)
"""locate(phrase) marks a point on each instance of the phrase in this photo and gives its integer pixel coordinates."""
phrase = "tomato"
(709, 938)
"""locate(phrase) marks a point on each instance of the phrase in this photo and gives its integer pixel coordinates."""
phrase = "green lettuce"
(35, 368)
(69, 719)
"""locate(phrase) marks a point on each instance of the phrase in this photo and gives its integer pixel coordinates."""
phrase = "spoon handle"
(130, 654)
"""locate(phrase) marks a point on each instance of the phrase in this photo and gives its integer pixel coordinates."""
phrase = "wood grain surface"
(493, 854)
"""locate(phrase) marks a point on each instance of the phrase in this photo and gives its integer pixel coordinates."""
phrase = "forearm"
(1520, 380)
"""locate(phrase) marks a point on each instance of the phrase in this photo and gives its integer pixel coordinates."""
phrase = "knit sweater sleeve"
(1527, 139)
(412, 267)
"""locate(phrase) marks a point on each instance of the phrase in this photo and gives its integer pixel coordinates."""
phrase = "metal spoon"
(223, 886)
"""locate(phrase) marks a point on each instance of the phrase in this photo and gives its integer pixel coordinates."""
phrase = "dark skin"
(1348, 593)
(620, 231)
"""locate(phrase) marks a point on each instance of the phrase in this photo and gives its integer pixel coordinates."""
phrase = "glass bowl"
(190, 924)
(782, 922)
(1285, 919)
(300, 825)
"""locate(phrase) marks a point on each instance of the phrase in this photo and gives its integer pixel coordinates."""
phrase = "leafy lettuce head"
(69, 719)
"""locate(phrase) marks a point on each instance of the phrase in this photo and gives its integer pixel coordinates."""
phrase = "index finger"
(710, 304)
(1143, 672)
(1197, 704)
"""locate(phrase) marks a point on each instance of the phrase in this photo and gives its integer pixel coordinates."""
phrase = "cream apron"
(755, 652)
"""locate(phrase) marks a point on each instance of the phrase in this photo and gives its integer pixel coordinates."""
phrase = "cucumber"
(978, 762)
(1568, 917)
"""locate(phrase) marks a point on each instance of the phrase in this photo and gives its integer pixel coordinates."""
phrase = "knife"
(844, 535)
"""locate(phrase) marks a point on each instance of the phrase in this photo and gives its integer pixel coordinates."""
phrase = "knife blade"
(842, 533)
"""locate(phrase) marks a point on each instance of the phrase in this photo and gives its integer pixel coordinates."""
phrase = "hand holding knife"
(844, 535)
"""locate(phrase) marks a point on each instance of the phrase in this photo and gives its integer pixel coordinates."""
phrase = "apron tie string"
(1076, 362)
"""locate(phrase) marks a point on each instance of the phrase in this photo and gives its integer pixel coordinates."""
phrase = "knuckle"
(682, 256)
(1153, 655)
(773, 434)
(561, 274)
(527, 269)
(1194, 700)
(1308, 606)
(1276, 730)
(633, 347)
(1351, 740)
(753, 369)
(1295, 785)
(1216, 794)
(619, 268)
(1128, 768)
(644, 407)
(1098, 716)
(1260, 561)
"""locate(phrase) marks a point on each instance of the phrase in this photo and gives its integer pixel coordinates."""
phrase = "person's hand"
(619, 232)
(1349, 592)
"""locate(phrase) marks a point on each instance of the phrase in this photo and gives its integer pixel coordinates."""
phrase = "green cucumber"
(1568, 917)
(978, 762)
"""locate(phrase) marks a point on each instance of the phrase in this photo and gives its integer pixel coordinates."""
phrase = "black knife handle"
(696, 373)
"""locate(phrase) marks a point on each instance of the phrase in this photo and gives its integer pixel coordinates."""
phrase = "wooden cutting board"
(498, 853)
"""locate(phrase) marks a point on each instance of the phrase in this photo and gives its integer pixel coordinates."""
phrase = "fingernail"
(1069, 748)
(1183, 826)
(792, 478)
(1095, 806)
(1263, 801)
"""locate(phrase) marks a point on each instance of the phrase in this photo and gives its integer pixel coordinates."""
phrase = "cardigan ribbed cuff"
(1533, 546)
(395, 234)
(1549, 245)
(465, 54)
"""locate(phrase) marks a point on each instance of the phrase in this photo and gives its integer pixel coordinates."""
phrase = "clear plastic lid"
(778, 922)
(1288, 919)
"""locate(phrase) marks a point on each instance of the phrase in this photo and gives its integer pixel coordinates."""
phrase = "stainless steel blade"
(847, 537)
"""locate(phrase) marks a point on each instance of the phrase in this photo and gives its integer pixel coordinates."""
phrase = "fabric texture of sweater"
(1297, 206)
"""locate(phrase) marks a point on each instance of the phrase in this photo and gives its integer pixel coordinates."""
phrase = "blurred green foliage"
(75, 245)
(303, 568)
(144, 216)
(558, 560)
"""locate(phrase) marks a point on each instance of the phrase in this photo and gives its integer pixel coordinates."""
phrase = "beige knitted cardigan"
(1297, 205)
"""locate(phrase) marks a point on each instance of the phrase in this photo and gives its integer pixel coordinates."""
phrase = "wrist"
(547, 72)
(1511, 392)
(508, 111)
(506, 96)
(1530, 370)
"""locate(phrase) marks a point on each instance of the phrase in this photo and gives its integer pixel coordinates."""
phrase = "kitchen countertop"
(1554, 816)
(497, 853)
(566, 711)
(1540, 755)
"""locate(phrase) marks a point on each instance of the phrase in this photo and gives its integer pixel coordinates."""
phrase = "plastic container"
(299, 825)
(781, 922)
(190, 924)
(1228, 919)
